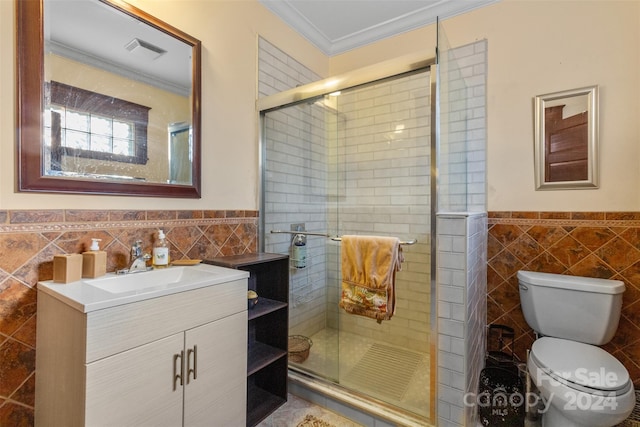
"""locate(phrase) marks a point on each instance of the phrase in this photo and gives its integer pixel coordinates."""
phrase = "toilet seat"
(579, 366)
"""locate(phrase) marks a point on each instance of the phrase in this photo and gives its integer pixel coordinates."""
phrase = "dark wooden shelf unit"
(268, 331)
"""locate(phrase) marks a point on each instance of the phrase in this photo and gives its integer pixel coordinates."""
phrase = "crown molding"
(420, 17)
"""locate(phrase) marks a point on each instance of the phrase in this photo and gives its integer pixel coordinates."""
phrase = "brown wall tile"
(162, 215)
(523, 214)
(85, 215)
(588, 215)
(32, 239)
(127, 215)
(34, 217)
(594, 244)
(555, 215)
(189, 214)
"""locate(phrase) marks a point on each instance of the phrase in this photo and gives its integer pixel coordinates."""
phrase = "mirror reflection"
(113, 89)
(566, 139)
(101, 87)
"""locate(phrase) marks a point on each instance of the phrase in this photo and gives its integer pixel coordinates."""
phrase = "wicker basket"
(299, 347)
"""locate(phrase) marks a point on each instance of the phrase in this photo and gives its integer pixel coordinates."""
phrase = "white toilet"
(582, 384)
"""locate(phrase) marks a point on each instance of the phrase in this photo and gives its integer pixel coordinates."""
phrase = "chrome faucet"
(138, 258)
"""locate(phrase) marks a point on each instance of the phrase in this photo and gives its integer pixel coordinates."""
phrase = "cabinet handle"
(178, 376)
(193, 371)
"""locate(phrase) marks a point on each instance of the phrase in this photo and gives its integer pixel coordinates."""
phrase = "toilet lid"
(579, 364)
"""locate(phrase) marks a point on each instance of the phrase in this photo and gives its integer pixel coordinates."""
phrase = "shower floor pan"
(388, 373)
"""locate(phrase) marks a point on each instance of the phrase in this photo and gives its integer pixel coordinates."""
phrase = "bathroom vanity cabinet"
(171, 360)
(268, 331)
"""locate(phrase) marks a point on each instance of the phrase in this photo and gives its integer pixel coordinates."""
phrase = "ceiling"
(97, 34)
(337, 26)
(75, 29)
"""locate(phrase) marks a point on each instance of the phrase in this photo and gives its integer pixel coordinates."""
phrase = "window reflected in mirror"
(84, 129)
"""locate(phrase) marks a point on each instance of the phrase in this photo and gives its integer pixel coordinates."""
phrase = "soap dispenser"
(161, 252)
(94, 261)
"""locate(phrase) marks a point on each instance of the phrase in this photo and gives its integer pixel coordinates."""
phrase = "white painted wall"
(537, 47)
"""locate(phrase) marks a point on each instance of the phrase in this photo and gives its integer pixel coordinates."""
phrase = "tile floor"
(294, 411)
(296, 408)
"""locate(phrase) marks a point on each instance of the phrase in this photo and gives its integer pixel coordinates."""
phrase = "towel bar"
(335, 239)
(402, 242)
(306, 233)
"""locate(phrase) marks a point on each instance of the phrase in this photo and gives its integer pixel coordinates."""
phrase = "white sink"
(88, 295)
(151, 280)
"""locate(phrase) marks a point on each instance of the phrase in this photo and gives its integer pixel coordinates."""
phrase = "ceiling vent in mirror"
(144, 49)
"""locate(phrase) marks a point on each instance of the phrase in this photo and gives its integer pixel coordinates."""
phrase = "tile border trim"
(569, 219)
(87, 226)
(566, 222)
(56, 220)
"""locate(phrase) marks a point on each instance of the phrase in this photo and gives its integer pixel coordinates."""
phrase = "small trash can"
(501, 394)
(500, 399)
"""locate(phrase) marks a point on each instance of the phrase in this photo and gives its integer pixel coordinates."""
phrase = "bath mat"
(384, 370)
(311, 421)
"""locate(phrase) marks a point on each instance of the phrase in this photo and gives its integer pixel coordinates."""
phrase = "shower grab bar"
(402, 242)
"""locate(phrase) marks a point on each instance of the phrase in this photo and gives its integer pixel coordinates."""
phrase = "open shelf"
(265, 306)
(260, 404)
(261, 355)
(268, 331)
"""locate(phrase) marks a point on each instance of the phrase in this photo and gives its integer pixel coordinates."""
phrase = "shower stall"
(356, 162)
(360, 155)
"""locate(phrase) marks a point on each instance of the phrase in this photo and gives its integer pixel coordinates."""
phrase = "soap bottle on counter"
(94, 261)
(161, 251)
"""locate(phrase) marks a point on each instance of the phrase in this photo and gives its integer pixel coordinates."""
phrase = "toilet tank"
(582, 309)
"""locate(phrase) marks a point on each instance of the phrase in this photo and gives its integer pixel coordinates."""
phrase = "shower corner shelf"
(267, 364)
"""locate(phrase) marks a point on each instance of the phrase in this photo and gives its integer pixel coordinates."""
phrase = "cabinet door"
(216, 385)
(135, 387)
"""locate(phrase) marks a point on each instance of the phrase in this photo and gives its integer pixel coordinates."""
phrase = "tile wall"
(380, 186)
(463, 129)
(30, 239)
(461, 293)
(364, 170)
(592, 244)
(278, 71)
(462, 234)
(295, 189)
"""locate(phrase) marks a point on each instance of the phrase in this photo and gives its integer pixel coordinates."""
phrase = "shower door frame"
(408, 64)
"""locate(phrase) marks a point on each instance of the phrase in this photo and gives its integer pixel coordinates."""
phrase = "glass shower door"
(355, 162)
(382, 185)
(296, 188)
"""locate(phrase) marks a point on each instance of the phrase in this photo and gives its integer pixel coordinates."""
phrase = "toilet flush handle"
(524, 287)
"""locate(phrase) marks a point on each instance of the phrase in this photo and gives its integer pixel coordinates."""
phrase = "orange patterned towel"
(369, 265)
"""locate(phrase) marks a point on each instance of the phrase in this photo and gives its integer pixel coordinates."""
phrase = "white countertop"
(85, 297)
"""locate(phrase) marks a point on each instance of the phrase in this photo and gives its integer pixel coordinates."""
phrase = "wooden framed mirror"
(566, 139)
(101, 89)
